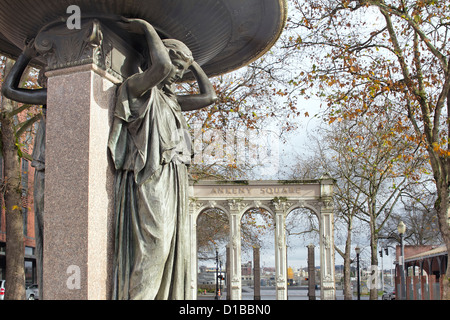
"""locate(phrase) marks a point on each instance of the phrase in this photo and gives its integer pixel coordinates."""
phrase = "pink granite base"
(78, 219)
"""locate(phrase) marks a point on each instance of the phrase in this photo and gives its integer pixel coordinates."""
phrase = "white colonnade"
(279, 198)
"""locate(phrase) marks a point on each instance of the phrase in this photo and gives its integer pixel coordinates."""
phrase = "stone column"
(83, 71)
(256, 273)
(327, 280)
(235, 250)
(311, 273)
(280, 251)
(194, 208)
(228, 273)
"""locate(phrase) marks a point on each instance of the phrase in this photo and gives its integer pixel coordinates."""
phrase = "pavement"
(270, 294)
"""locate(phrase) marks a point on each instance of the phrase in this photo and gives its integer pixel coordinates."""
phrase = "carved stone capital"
(281, 204)
(195, 205)
(236, 205)
(93, 43)
(328, 203)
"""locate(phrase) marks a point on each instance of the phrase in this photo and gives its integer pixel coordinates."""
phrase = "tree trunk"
(12, 192)
(443, 208)
(348, 293)
(446, 280)
(374, 259)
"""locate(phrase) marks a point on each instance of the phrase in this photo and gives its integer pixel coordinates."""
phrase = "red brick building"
(247, 269)
(27, 205)
(425, 268)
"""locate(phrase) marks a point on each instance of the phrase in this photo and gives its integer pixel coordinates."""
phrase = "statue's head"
(178, 50)
(181, 58)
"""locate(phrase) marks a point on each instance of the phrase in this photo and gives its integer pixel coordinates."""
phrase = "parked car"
(32, 292)
(2, 289)
(388, 294)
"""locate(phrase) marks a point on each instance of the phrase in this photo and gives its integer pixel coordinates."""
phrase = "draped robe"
(148, 145)
(38, 163)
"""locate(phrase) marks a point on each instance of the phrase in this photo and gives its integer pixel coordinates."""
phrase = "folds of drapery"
(151, 256)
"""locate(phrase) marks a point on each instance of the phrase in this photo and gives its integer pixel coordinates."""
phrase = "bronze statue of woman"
(151, 185)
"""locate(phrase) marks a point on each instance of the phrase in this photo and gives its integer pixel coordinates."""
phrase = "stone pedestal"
(311, 273)
(78, 226)
(257, 273)
(228, 272)
(79, 185)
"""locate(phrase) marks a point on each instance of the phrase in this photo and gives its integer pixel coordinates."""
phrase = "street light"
(220, 276)
(401, 228)
(358, 284)
(217, 275)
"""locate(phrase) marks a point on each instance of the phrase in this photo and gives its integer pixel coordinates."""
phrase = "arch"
(247, 211)
(211, 237)
(257, 231)
(257, 205)
(313, 207)
(210, 205)
(301, 221)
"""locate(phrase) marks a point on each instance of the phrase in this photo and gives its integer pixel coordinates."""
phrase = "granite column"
(84, 68)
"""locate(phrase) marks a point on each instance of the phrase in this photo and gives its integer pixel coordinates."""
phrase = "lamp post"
(382, 270)
(220, 276)
(358, 284)
(401, 228)
(217, 275)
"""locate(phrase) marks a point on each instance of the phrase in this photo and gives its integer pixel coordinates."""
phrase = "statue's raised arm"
(159, 64)
(169, 59)
(10, 87)
(207, 95)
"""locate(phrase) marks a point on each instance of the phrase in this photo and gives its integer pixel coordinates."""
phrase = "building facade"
(424, 270)
(27, 209)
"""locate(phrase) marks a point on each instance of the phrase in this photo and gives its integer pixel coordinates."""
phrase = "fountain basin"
(223, 35)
